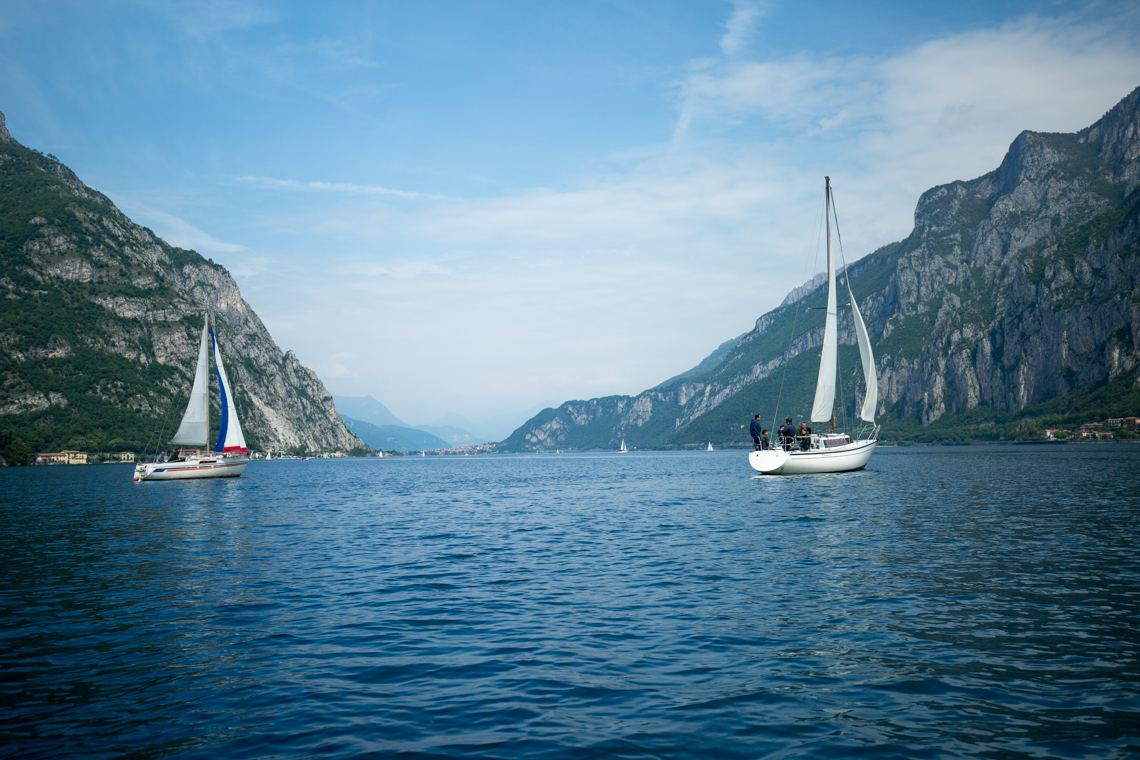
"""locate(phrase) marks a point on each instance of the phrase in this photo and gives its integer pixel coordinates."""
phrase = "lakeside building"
(62, 457)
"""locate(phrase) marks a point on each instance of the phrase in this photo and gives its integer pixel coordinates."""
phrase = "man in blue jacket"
(788, 434)
(756, 430)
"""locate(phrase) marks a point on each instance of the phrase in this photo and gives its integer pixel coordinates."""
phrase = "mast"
(195, 426)
(825, 382)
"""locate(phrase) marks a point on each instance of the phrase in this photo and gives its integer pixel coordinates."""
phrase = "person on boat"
(161, 457)
(788, 435)
(764, 445)
(755, 430)
(804, 436)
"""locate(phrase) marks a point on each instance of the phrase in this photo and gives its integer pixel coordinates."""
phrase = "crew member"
(755, 430)
(788, 434)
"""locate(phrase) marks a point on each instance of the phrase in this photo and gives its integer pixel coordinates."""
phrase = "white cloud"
(612, 281)
(176, 231)
(270, 183)
(740, 26)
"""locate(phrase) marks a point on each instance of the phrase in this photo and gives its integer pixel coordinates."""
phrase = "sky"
(488, 207)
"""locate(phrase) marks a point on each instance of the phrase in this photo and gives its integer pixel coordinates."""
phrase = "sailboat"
(623, 449)
(831, 451)
(192, 459)
(710, 448)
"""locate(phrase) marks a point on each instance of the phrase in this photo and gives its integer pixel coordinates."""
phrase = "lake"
(944, 602)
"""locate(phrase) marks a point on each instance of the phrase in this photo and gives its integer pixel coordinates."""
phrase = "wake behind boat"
(830, 452)
(230, 455)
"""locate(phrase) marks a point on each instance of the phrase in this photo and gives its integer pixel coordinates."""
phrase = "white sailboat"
(623, 449)
(192, 460)
(710, 448)
(832, 451)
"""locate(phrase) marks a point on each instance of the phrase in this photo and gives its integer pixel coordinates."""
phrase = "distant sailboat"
(832, 451)
(230, 455)
(623, 449)
(710, 448)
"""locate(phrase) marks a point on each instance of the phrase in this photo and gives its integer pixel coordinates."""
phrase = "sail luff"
(195, 427)
(230, 436)
(871, 402)
(825, 382)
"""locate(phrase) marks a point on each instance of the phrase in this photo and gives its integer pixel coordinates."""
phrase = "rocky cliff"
(99, 326)
(1014, 288)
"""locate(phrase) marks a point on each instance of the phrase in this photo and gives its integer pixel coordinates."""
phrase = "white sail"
(195, 427)
(872, 379)
(230, 437)
(824, 404)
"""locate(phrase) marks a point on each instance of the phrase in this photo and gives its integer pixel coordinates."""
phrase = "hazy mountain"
(1015, 295)
(367, 409)
(453, 435)
(100, 322)
(395, 437)
(451, 428)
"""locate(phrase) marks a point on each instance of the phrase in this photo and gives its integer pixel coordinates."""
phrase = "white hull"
(207, 467)
(853, 456)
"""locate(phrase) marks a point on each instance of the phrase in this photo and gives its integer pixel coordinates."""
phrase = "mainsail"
(195, 427)
(821, 410)
(230, 437)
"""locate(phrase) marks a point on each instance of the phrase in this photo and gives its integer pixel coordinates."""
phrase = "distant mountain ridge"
(1015, 288)
(100, 322)
(368, 410)
(395, 437)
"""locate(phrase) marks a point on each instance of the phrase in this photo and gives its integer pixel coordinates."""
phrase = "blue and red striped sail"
(230, 437)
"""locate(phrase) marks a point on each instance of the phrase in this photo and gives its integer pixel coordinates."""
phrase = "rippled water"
(944, 602)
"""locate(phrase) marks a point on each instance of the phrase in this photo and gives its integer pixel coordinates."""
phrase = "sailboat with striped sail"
(192, 459)
(831, 451)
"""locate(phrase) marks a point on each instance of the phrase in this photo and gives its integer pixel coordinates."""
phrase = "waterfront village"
(125, 457)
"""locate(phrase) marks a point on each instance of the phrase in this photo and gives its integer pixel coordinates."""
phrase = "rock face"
(100, 320)
(1016, 287)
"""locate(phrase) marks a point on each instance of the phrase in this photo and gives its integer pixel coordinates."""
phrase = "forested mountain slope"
(100, 320)
(1014, 288)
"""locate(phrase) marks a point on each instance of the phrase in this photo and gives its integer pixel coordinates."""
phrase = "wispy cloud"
(741, 26)
(270, 183)
(175, 230)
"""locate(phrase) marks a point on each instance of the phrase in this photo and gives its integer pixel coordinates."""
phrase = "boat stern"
(769, 462)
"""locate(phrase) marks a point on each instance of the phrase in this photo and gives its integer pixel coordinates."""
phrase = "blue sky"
(483, 207)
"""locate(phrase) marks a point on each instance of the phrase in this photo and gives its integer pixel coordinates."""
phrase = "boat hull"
(842, 459)
(218, 467)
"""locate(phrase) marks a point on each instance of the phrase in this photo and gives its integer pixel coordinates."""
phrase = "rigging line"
(795, 320)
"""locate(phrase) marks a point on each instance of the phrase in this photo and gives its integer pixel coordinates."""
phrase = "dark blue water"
(975, 602)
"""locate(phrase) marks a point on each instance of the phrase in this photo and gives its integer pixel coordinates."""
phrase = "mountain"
(395, 437)
(1017, 294)
(100, 322)
(367, 409)
(454, 436)
(449, 429)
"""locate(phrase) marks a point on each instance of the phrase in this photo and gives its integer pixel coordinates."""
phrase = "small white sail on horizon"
(623, 449)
